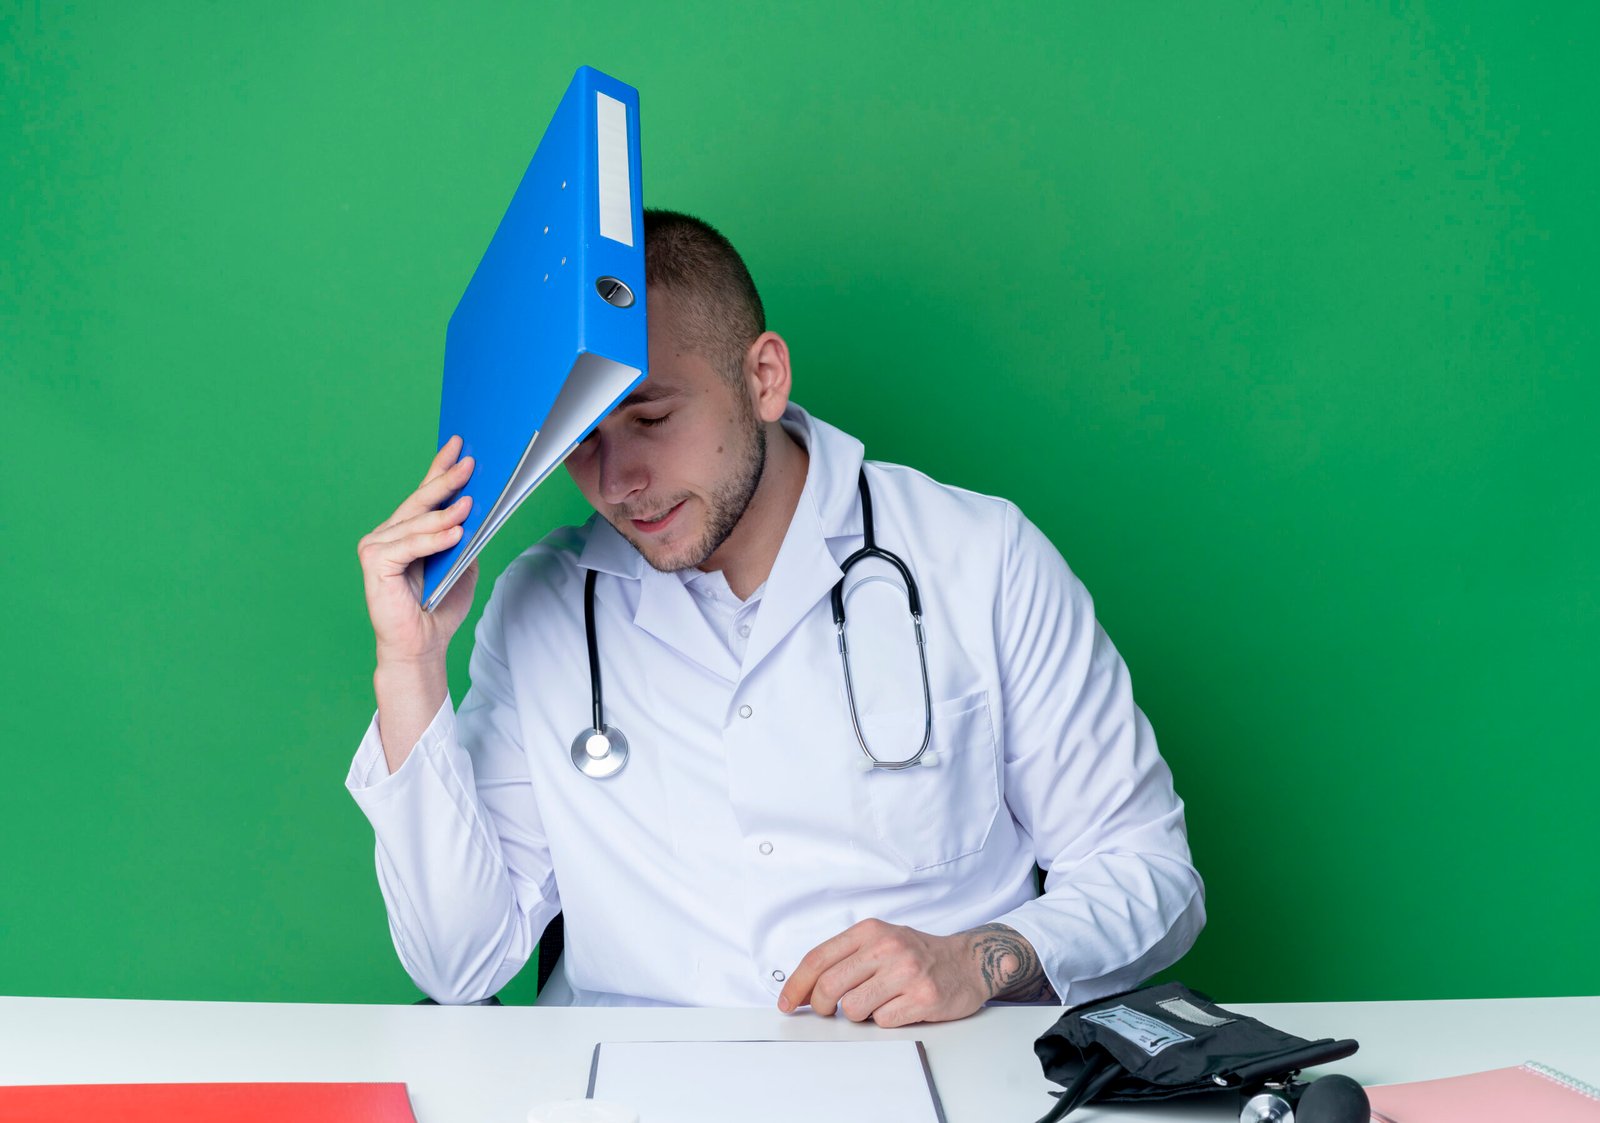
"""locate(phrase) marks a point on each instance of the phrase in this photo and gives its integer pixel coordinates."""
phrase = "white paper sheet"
(770, 1081)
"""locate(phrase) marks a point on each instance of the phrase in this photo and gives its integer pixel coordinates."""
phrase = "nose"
(623, 474)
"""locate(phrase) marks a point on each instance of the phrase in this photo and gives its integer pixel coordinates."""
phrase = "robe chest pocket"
(930, 815)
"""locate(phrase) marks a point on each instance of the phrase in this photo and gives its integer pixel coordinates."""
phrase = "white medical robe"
(743, 831)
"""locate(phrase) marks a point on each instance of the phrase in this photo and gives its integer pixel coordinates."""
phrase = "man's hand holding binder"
(548, 337)
(411, 680)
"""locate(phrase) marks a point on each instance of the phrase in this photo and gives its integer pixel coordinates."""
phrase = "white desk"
(489, 1064)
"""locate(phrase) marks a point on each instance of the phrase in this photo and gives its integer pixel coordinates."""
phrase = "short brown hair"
(700, 266)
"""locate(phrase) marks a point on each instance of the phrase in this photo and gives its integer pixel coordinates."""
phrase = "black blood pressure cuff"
(1163, 1041)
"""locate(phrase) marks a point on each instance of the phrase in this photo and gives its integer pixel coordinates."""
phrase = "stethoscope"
(601, 750)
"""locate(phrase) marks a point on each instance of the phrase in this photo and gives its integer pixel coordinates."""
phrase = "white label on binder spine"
(616, 190)
(1150, 1034)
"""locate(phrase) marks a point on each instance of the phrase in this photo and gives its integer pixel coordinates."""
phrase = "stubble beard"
(724, 507)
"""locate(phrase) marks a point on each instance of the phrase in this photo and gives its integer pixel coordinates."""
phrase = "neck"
(747, 556)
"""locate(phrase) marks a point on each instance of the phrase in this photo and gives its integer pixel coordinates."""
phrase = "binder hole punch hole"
(613, 291)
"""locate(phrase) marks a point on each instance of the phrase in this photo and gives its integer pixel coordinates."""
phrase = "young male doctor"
(749, 852)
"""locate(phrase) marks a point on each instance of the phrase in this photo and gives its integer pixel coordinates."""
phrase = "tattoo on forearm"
(1010, 966)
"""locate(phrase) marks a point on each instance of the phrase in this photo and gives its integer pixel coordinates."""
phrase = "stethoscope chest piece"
(599, 753)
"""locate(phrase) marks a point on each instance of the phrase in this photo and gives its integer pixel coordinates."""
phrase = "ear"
(766, 371)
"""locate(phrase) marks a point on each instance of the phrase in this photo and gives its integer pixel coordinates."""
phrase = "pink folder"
(1531, 1091)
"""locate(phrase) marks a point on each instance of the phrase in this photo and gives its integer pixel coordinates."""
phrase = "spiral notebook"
(1529, 1091)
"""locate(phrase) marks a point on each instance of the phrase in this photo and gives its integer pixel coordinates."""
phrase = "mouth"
(653, 526)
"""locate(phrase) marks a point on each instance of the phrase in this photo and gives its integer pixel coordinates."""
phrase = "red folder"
(206, 1103)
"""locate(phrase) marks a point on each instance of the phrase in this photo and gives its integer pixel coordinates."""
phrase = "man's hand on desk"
(897, 976)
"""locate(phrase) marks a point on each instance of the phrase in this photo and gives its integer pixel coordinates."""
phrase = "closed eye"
(651, 422)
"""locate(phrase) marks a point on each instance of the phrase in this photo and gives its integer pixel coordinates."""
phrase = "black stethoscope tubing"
(871, 549)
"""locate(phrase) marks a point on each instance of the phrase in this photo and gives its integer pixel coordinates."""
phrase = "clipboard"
(737, 1081)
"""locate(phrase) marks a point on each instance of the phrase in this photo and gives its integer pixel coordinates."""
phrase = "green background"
(1279, 320)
